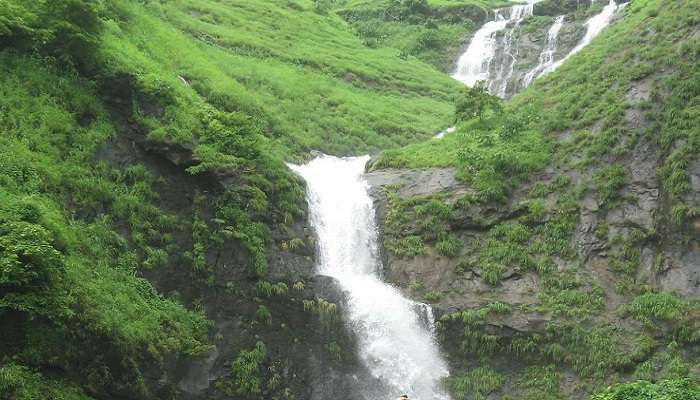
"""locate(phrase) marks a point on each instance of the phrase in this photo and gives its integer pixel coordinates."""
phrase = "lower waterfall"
(395, 343)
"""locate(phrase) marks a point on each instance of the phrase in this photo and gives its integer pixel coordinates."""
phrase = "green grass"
(477, 384)
(432, 31)
(305, 76)
(685, 389)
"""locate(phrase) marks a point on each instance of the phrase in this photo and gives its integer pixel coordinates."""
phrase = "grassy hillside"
(550, 225)
(432, 31)
(303, 75)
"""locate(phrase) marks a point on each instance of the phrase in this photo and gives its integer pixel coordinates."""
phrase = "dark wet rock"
(414, 182)
(198, 376)
(681, 274)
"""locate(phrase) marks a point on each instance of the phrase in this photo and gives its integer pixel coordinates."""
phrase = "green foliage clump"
(608, 182)
(326, 311)
(679, 389)
(67, 29)
(432, 297)
(21, 383)
(408, 246)
(505, 248)
(651, 307)
(541, 383)
(475, 102)
(566, 294)
(592, 351)
(433, 216)
(474, 340)
(477, 383)
(247, 380)
(449, 245)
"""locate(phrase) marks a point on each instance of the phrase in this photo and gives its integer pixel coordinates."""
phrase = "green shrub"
(247, 374)
(432, 297)
(507, 247)
(652, 307)
(21, 383)
(263, 315)
(541, 383)
(449, 245)
(67, 29)
(608, 182)
(477, 383)
(681, 389)
(409, 246)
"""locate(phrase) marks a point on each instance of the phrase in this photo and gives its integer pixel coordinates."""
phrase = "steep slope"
(305, 76)
(148, 139)
(558, 234)
(432, 31)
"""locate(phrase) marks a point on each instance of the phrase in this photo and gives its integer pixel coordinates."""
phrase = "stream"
(395, 335)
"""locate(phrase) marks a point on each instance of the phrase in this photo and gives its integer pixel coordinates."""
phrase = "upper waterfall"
(477, 62)
(594, 26)
(547, 56)
(395, 345)
(507, 59)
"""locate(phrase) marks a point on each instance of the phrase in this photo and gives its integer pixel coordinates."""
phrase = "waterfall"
(594, 26)
(547, 55)
(396, 346)
(477, 62)
(445, 132)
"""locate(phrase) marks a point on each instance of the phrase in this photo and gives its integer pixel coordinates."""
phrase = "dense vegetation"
(96, 96)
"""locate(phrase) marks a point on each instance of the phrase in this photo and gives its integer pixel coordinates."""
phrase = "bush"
(656, 306)
(20, 383)
(608, 182)
(67, 29)
(449, 245)
(680, 389)
(409, 246)
(247, 381)
(476, 102)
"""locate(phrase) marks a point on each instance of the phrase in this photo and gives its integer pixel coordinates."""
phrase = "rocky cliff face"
(583, 276)
(613, 251)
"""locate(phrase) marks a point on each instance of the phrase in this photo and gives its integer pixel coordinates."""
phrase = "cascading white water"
(445, 132)
(394, 344)
(547, 55)
(476, 63)
(594, 26)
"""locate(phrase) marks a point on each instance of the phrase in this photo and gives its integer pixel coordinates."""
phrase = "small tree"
(475, 102)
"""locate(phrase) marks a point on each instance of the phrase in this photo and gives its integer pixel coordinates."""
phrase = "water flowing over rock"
(547, 55)
(482, 62)
(594, 27)
(509, 57)
(395, 339)
(445, 132)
